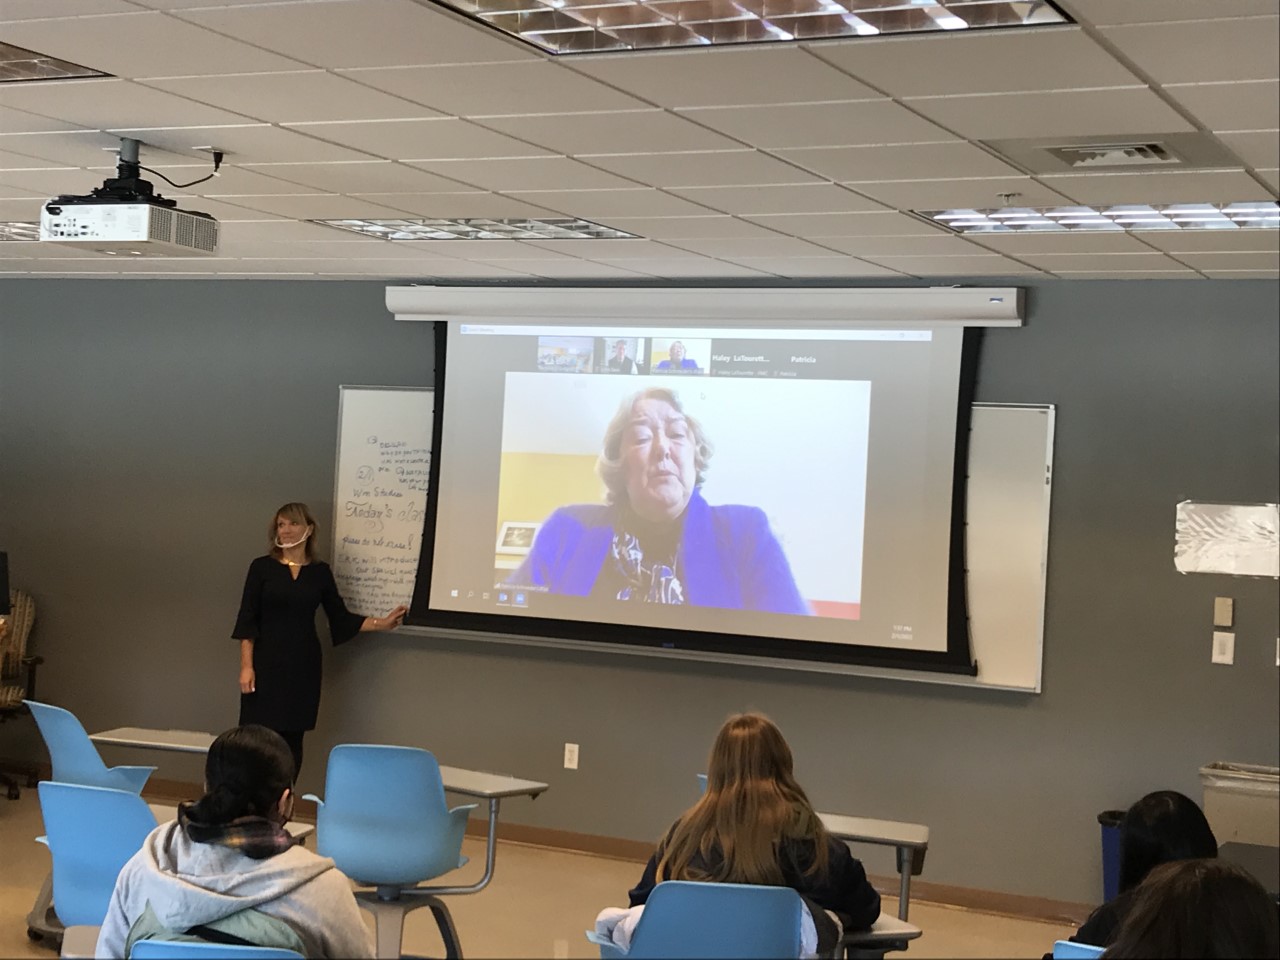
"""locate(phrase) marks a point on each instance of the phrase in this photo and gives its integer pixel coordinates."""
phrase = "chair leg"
(388, 920)
(448, 932)
(42, 921)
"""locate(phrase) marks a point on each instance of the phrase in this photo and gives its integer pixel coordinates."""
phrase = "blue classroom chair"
(74, 757)
(190, 950)
(1070, 950)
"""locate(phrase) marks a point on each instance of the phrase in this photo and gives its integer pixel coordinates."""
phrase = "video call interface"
(789, 484)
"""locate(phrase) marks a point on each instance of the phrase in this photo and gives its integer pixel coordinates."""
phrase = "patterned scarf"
(655, 583)
(256, 837)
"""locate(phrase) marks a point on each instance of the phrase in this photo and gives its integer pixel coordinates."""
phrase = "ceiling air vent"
(1108, 156)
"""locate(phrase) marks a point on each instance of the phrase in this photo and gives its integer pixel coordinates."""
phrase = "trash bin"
(1110, 821)
(1242, 802)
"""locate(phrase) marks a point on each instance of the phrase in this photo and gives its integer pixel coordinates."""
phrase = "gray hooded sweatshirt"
(187, 884)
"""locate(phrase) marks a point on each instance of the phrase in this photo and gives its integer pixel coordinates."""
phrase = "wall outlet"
(571, 756)
(1224, 612)
(1224, 647)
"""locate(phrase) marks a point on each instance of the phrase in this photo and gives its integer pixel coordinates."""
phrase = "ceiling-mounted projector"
(126, 217)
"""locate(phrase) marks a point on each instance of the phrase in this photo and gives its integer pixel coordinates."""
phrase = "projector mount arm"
(127, 186)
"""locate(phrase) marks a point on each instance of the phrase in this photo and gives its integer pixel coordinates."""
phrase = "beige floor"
(538, 905)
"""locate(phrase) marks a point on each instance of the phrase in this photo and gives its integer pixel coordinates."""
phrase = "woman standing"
(276, 627)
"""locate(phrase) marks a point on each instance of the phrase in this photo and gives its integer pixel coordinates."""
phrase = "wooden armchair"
(17, 667)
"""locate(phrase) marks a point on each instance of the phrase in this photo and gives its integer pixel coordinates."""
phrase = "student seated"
(1162, 827)
(754, 824)
(227, 870)
(1199, 908)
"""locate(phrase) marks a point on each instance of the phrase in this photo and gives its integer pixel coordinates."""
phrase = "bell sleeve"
(343, 624)
(247, 619)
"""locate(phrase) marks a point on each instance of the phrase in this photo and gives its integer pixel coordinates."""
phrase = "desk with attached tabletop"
(910, 840)
(490, 787)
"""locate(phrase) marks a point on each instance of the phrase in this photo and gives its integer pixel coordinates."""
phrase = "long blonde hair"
(752, 803)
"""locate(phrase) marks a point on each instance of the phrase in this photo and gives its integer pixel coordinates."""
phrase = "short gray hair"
(609, 462)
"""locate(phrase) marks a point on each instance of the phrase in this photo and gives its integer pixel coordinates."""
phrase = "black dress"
(278, 613)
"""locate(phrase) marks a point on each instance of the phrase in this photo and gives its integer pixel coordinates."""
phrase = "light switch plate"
(1224, 647)
(1224, 609)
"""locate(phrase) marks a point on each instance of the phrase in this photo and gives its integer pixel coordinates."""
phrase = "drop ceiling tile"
(970, 266)
(600, 204)
(769, 248)
(610, 250)
(794, 198)
(1235, 260)
(360, 33)
(940, 246)
(680, 228)
(11, 10)
(1126, 111)
(224, 211)
(1241, 274)
(1271, 178)
(466, 270)
(1202, 51)
(572, 269)
(288, 232)
(1108, 12)
(18, 161)
(719, 168)
(1179, 242)
(1257, 148)
(315, 206)
(460, 205)
(51, 182)
(920, 161)
(580, 134)
(1003, 61)
(14, 209)
(853, 123)
(720, 77)
(19, 121)
(143, 44)
(296, 97)
(495, 89)
(446, 139)
(379, 250)
(1231, 105)
(949, 194)
(815, 226)
(1192, 186)
(1018, 244)
(253, 143)
(687, 268)
(813, 267)
(526, 173)
(1183, 274)
(1077, 262)
(107, 104)
(486, 251)
(85, 148)
(360, 176)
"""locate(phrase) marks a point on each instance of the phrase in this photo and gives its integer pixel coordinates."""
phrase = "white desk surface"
(183, 741)
(865, 830)
(471, 783)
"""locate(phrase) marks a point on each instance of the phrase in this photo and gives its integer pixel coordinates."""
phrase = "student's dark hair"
(1162, 827)
(247, 770)
(1199, 908)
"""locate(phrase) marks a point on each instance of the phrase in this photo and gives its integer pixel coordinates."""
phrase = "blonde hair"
(609, 463)
(298, 513)
(751, 804)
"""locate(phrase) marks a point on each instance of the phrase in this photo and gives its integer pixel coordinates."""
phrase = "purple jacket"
(728, 555)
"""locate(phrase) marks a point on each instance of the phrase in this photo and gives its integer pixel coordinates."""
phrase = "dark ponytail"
(247, 770)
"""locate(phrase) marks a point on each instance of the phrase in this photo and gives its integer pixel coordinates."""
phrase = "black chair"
(17, 668)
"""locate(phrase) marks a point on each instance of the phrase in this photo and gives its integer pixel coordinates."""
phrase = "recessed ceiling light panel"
(19, 230)
(551, 229)
(1250, 215)
(600, 26)
(18, 65)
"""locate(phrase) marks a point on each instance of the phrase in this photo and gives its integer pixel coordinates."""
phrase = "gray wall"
(148, 428)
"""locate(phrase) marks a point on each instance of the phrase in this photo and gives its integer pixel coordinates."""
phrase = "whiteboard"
(1007, 534)
(380, 494)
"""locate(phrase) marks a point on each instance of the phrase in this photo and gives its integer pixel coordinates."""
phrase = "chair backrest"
(183, 949)
(74, 757)
(13, 645)
(686, 919)
(91, 832)
(1070, 950)
(384, 817)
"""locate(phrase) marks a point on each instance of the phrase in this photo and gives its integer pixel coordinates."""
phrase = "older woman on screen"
(656, 540)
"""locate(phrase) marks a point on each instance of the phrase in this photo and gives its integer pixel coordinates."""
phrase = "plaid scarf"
(256, 837)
